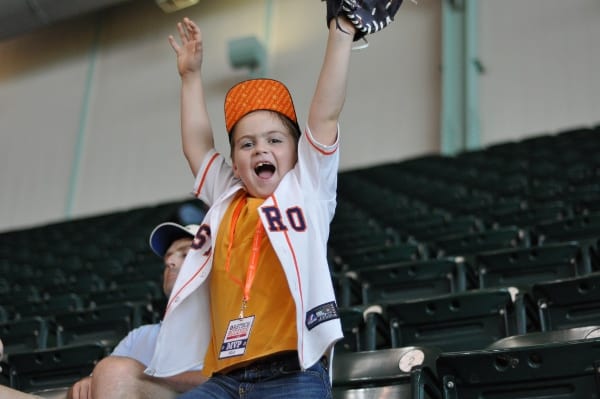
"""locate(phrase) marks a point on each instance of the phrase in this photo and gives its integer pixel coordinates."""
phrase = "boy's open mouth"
(264, 170)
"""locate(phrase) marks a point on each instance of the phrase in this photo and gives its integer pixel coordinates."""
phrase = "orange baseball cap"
(257, 94)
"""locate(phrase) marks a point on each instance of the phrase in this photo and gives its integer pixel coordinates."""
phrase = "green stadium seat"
(144, 291)
(575, 228)
(24, 334)
(410, 280)
(557, 364)
(53, 367)
(364, 258)
(106, 324)
(379, 374)
(523, 267)
(569, 302)
(489, 240)
(363, 329)
(49, 306)
(460, 321)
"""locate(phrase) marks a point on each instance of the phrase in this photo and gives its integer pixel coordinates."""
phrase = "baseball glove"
(368, 16)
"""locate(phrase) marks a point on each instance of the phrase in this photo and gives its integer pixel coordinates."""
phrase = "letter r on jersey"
(273, 215)
(295, 219)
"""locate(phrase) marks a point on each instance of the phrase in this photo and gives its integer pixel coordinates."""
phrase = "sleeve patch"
(320, 314)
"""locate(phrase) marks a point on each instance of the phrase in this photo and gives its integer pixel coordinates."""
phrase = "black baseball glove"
(368, 16)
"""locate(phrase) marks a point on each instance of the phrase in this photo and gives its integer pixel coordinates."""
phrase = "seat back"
(50, 306)
(107, 324)
(365, 258)
(584, 228)
(461, 321)
(139, 291)
(410, 280)
(568, 302)
(537, 367)
(526, 266)
(490, 240)
(24, 334)
(364, 329)
(379, 374)
(574, 228)
(54, 367)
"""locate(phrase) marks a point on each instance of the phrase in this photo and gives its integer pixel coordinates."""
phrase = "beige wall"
(541, 73)
(542, 60)
(127, 114)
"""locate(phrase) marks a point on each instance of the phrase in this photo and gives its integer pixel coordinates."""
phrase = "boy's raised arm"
(330, 93)
(196, 130)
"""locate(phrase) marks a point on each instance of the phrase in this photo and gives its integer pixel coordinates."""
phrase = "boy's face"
(263, 151)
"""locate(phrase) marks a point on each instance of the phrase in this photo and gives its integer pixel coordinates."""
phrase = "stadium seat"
(557, 364)
(379, 374)
(569, 302)
(53, 367)
(49, 306)
(80, 283)
(374, 256)
(24, 334)
(531, 215)
(363, 328)
(585, 229)
(489, 240)
(20, 293)
(347, 243)
(461, 321)
(431, 230)
(525, 266)
(410, 280)
(138, 291)
(105, 324)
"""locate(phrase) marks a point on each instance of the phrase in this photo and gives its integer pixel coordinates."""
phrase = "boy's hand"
(368, 16)
(189, 53)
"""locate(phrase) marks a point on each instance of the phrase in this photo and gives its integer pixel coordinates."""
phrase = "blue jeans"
(267, 379)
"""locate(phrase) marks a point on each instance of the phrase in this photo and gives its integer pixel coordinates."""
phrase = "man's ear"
(235, 169)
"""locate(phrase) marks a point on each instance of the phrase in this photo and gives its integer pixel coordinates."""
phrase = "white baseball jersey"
(296, 218)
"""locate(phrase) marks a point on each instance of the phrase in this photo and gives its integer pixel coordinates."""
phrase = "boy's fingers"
(192, 29)
(174, 44)
(188, 21)
(182, 32)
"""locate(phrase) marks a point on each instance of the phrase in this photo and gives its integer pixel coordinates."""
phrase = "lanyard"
(259, 233)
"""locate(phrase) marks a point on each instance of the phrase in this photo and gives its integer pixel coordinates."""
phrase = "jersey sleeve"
(318, 166)
(214, 177)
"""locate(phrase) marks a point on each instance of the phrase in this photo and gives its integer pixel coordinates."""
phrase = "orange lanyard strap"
(259, 233)
(234, 219)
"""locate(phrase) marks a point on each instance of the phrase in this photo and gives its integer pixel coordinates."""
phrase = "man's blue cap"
(167, 233)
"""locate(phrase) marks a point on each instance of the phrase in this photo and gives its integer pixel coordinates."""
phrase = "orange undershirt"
(270, 301)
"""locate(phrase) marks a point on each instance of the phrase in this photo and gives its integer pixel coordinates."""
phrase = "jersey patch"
(320, 314)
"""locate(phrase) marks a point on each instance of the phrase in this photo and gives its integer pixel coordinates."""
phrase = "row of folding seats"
(429, 224)
(500, 296)
(555, 364)
(463, 320)
(70, 291)
(62, 325)
(377, 278)
(423, 261)
(49, 372)
(88, 292)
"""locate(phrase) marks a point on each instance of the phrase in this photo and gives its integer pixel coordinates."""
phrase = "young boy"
(274, 319)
